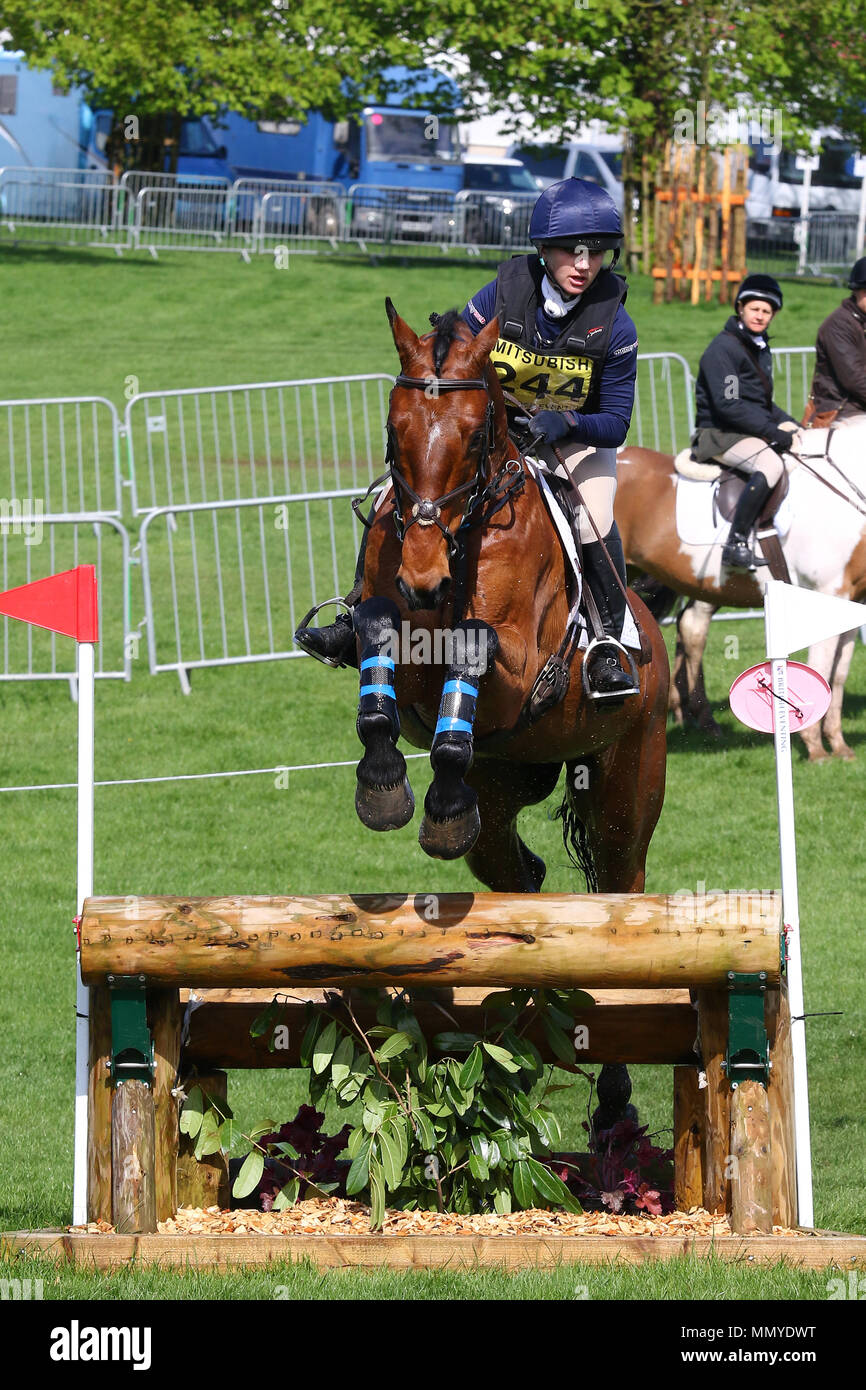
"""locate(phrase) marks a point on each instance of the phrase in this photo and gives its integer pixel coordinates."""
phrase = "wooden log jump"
(695, 983)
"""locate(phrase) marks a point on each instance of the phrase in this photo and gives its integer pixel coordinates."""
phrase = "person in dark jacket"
(736, 419)
(567, 351)
(839, 383)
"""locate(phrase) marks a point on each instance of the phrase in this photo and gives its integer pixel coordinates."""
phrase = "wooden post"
(165, 1017)
(133, 1142)
(726, 228)
(99, 1107)
(688, 1139)
(716, 1127)
(781, 1100)
(751, 1190)
(699, 228)
(204, 1182)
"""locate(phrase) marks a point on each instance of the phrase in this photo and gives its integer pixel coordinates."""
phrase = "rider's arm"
(479, 310)
(608, 426)
(845, 346)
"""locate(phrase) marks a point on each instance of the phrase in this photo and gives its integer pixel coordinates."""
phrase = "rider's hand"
(549, 427)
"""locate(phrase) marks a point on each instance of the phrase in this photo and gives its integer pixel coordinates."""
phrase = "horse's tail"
(574, 833)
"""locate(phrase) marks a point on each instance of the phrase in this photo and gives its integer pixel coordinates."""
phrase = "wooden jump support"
(695, 984)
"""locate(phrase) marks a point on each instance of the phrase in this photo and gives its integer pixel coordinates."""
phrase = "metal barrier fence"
(220, 581)
(240, 496)
(792, 378)
(824, 244)
(248, 481)
(35, 545)
(75, 207)
(61, 451)
(266, 438)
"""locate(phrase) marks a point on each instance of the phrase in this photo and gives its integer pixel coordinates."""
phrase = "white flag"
(795, 618)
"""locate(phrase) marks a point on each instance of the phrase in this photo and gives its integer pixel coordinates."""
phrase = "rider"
(568, 346)
(839, 383)
(568, 349)
(736, 421)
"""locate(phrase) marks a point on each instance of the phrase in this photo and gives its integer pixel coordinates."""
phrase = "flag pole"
(84, 880)
(777, 654)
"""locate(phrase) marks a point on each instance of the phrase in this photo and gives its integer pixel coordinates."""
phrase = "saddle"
(728, 485)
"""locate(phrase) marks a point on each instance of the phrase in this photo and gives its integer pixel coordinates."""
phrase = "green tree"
(161, 62)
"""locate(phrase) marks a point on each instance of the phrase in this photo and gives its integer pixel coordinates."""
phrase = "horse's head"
(447, 434)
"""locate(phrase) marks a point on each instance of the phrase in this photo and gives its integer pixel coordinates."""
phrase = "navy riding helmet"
(574, 212)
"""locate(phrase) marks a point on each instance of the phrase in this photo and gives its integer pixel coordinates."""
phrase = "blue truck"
(404, 155)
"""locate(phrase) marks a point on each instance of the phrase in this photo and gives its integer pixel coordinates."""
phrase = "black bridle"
(427, 511)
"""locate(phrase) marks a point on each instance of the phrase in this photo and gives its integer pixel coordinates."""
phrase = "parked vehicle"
(497, 201)
(600, 163)
(775, 187)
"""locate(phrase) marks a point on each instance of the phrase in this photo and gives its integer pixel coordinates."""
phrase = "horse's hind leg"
(499, 858)
(451, 822)
(832, 658)
(693, 626)
(383, 797)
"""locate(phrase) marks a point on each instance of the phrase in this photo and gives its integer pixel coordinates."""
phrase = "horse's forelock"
(446, 326)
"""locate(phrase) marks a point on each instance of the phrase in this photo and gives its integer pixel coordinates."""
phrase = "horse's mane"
(445, 325)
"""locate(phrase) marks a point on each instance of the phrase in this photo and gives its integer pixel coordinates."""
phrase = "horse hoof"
(450, 839)
(385, 808)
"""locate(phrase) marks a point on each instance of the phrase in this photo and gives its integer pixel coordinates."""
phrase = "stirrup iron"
(305, 623)
(593, 646)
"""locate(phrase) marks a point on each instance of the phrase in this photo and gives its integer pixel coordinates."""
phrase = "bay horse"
(825, 549)
(463, 543)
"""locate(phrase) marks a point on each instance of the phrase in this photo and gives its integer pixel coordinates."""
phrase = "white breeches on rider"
(594, 472)
(753, 455)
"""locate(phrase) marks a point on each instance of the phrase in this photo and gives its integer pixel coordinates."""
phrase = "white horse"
(824, 544)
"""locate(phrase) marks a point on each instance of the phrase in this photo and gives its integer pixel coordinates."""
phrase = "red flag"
(65, 603)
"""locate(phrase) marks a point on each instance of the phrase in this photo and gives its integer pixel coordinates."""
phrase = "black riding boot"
(604, 674)
(335, 644)
(736, 554)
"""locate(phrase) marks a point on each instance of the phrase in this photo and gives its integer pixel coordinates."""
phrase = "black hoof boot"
(334, 644)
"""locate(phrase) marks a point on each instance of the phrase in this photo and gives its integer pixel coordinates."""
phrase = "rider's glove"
(549, 427)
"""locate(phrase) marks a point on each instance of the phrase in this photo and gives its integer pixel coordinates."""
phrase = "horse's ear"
(405, 341)
(484, 343)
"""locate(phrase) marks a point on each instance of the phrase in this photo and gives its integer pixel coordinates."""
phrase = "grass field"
(85, 323)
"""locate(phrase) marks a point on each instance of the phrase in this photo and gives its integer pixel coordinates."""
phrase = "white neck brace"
(555, 305)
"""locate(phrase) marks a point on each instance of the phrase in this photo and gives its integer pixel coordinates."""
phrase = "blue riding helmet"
(574, 212)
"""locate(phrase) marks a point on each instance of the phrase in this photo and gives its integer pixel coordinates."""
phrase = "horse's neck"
(847, 449)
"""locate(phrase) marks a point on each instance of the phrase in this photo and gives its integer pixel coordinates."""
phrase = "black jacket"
(735, 388)
(839, 382)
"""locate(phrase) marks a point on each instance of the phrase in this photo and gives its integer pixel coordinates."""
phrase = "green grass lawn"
(86, 322)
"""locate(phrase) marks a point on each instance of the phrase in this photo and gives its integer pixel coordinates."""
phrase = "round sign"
(752, 698)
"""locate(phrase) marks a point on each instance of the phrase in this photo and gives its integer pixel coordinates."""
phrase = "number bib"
(539, 379)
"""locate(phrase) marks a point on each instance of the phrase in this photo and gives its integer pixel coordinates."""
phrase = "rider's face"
(756, 314)
(860, 297)
(574, 268)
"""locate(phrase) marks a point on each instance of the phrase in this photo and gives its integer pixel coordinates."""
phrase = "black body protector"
(566, 373)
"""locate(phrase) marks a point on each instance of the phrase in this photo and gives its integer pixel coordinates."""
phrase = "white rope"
(196, 776)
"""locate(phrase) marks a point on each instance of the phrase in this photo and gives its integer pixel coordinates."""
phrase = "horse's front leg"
(383, 797)
(451, 823)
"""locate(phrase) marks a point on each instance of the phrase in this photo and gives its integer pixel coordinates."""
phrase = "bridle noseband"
(427, 511)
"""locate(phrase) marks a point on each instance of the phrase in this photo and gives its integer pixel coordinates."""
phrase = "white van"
(600, 163)
(775, 186)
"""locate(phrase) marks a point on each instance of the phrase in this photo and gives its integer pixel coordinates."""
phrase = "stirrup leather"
(305, 623)
(593, 646)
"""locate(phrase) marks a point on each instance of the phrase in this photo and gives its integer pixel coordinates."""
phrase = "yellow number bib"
(553, 383)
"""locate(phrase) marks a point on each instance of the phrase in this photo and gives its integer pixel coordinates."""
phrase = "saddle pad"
(629, 636)
(697, 521)
(688, 467)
